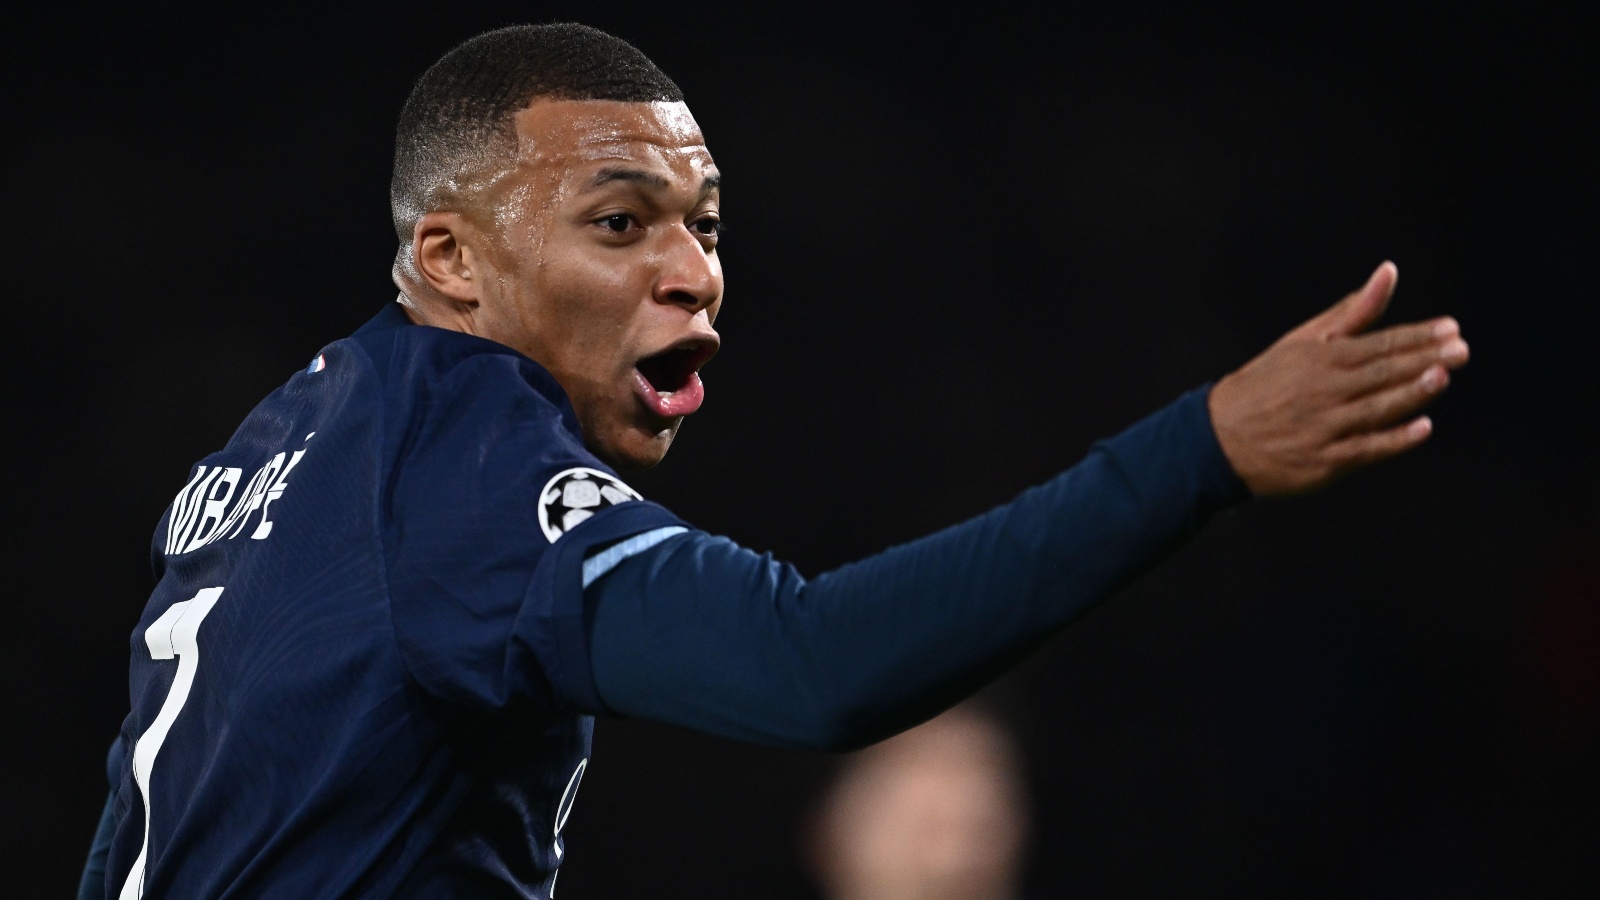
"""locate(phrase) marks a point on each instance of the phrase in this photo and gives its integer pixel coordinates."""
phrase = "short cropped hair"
(457, 121)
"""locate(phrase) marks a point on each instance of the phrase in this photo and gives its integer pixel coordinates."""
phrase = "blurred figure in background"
(937, 812)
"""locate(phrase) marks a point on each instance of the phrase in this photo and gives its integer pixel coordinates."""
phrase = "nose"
(689, 276)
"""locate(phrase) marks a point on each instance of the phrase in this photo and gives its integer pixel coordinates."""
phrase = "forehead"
(559, 137)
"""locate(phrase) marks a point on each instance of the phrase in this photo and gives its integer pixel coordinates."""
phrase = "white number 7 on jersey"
(176, 633)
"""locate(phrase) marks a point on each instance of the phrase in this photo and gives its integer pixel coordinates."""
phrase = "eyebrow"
(647, 179)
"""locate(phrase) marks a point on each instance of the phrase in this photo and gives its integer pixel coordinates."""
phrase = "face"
(602, 251)
(933, 813)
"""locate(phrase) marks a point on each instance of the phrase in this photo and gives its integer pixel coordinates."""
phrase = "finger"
(1369, 302)
(1385, 407)
(1398, 368)
(1375, 446)
(1397, 339)
(1358, 310)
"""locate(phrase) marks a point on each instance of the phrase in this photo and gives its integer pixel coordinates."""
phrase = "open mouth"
(670, 371)
(669, 382)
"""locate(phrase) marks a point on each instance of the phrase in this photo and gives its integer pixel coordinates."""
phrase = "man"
(388, 609)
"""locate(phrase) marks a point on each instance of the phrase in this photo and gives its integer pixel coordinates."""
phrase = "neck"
(427, 307)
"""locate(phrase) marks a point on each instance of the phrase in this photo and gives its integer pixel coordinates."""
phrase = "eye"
(617, 224)
(710, 226)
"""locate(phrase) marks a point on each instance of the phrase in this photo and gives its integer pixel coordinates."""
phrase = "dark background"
(960, 250)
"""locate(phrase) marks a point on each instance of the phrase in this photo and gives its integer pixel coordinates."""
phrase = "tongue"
(670, 404)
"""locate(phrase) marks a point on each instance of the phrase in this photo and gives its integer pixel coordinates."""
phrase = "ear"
(442, 248)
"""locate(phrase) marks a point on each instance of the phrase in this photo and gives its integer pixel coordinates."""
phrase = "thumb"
(1362, 309)
(1359, 310)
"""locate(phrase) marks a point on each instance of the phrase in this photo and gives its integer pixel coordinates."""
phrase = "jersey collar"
(393, 316)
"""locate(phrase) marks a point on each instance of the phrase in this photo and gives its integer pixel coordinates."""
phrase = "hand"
(1328, 398)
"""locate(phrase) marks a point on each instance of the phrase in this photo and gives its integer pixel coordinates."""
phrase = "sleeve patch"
(574, 495)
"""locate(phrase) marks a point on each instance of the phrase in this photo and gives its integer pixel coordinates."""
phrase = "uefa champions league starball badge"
(576, 494)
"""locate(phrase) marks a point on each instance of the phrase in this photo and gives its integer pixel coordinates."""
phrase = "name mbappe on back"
(212, 508)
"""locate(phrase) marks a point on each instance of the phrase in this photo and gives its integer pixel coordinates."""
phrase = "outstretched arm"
(699, 632)
(702, 633)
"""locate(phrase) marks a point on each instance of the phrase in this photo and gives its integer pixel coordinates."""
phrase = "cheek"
(588, 310)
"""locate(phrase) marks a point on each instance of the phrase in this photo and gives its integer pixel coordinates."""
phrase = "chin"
(635, 449)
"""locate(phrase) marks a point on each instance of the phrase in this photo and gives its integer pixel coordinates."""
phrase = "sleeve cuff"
(1220, 485)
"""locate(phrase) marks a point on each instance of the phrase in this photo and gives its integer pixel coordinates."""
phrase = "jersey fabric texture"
(364, 669)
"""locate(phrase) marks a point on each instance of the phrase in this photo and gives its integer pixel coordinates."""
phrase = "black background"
(960, 250)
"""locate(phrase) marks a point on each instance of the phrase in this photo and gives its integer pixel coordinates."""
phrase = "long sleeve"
(699, 632)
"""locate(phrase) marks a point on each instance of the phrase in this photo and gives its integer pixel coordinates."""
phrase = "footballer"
(389, 608)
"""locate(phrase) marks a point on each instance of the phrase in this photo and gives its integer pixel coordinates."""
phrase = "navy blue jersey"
(364, 670)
